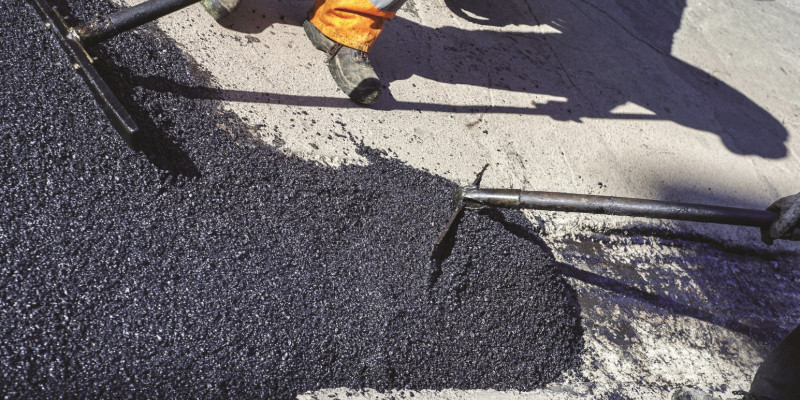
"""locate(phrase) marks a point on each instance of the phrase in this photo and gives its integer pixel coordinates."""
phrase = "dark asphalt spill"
(205, 264)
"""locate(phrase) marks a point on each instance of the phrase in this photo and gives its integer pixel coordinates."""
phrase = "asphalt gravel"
(203, 263)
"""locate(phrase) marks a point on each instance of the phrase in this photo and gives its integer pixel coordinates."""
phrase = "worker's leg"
(353, 23)
(220, 8)
(346, 30)
(778, 377)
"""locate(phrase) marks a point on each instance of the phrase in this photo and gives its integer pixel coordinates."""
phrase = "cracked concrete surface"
(691, 101)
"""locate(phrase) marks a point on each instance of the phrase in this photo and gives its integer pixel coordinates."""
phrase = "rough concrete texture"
(685, 100)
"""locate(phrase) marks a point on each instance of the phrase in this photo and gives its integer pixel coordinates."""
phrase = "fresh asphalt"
(199, 262)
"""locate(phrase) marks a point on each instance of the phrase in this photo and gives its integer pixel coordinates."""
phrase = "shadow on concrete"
(254, 16)
(167, 85)
(746, 303)
(744, 282)
(599, 57)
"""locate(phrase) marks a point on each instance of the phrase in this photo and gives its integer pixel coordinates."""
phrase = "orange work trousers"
(353, 23)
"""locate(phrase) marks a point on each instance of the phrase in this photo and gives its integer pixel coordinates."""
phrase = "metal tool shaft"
(567, 202)
(108, 26)
(83, 63)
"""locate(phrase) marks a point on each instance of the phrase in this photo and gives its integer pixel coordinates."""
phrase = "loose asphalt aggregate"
(200, 262)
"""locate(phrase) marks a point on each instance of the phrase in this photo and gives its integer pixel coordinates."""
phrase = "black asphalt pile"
(205, 264)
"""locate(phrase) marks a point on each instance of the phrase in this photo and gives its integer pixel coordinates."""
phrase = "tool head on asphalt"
(83, 63)
(75, 39)
(441, 248)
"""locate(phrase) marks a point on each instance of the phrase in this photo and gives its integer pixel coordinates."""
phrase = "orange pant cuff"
(353, 23)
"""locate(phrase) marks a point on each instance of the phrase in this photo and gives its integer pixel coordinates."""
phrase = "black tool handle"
(128, 18)
(567, 202)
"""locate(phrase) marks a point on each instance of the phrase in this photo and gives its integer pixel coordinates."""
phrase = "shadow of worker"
(255, 16)
(610, 59)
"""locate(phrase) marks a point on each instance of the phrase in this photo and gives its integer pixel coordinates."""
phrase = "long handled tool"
(475, 197)
(74, 39)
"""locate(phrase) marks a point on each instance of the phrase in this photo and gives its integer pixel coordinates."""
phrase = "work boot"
(220, 9)
(349, 67)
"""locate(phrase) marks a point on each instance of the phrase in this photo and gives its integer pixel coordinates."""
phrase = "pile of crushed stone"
(203, 263)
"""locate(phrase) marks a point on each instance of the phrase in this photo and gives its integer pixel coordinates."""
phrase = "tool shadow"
(741, 298)
(152, 140)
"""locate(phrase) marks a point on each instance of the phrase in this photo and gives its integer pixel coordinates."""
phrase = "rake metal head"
(441, 248)
(83, 63)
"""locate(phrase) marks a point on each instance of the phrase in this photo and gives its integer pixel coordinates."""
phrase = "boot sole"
(360, 94)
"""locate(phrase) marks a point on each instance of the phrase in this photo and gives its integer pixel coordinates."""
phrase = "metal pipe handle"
(111, 25)
(512, 198)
